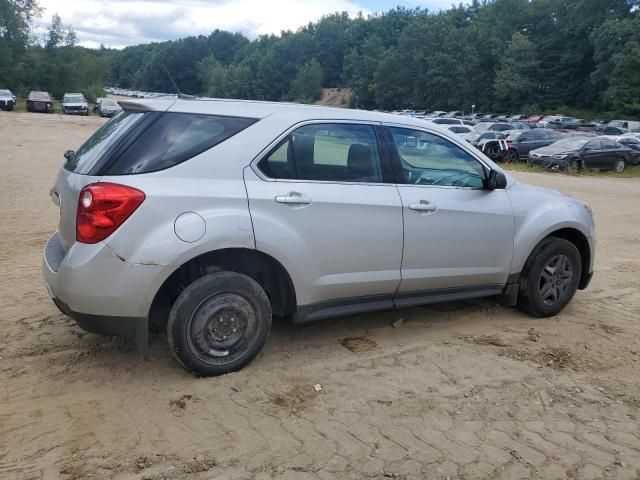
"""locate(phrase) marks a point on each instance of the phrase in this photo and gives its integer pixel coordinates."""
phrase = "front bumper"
(102, 292)
(547, 162)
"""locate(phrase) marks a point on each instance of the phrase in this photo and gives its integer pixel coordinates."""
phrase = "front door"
(457, 235)
(321, 205)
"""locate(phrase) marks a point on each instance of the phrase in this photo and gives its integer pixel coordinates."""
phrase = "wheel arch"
(577, 238)
(261, 267)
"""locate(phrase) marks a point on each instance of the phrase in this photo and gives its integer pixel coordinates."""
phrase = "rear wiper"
(70, 155)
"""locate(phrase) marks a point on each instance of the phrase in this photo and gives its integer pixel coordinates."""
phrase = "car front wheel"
(511, 156)
(619, 166)
(219, 323)
(550, 277)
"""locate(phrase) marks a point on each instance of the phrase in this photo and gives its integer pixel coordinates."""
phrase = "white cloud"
(118, 23)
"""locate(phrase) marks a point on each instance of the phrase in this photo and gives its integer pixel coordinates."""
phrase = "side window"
(174, 138)
(608, 144)
(592, 145)
(326, 152)
(428, 159)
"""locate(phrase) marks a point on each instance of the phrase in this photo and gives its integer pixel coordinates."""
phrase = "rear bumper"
(100, 291)
(133, 329)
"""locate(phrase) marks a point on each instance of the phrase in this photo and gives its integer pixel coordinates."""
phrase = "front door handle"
(423, 206)
(293, 198)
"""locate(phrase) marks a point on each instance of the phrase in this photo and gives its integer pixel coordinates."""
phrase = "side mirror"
(70, 155)
(495, 180)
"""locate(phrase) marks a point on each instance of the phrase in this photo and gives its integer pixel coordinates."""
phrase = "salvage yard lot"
(460, 391)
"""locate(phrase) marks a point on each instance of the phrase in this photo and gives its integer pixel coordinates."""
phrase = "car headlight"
(560, 156)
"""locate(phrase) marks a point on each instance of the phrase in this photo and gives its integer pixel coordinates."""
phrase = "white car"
(74, 103)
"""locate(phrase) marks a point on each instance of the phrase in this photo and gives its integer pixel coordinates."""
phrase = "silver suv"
(208, 217)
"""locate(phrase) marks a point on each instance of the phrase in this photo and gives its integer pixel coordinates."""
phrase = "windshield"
(106, 136)
(73, 98)
(5, 93)
(549, 118)
(571, 143)
(108, 103)
(616, 123)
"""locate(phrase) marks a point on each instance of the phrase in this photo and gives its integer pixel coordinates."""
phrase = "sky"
(118, 23)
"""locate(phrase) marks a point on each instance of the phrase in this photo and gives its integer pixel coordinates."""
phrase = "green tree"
(307, 85)
(516, 83)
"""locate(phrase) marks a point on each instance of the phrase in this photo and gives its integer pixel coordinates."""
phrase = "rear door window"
(327, 152)
(174, 138)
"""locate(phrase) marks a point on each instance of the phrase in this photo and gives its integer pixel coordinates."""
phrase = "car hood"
(551, 150)
(74, 104)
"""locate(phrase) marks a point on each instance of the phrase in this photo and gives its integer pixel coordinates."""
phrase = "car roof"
(38, 94)
(258, 109)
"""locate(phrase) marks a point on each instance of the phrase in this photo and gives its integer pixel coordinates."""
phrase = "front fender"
(539, 213)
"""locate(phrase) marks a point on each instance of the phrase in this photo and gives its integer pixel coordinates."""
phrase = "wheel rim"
(511, 156)
(222, 328)
(619, 166)
(555, 280)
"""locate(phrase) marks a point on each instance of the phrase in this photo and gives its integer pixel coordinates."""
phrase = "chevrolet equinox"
(208, 217)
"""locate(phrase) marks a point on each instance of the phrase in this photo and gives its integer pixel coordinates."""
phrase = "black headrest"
(360, 158)
(303, 148)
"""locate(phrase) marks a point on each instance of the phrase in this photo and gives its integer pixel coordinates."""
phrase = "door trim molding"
(374, 303)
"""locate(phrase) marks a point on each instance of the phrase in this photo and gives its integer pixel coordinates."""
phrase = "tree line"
(500, 55)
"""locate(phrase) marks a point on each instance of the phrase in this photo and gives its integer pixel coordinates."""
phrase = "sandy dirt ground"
(458, 391)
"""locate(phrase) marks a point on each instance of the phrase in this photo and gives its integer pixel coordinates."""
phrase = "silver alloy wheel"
(619, 167)
(555, 280)
(223, 325)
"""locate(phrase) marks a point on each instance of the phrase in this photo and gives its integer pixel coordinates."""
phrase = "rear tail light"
(102, 208)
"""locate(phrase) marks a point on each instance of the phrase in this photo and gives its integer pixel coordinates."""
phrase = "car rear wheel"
(550, 277)
(219, 323)
(619, 166)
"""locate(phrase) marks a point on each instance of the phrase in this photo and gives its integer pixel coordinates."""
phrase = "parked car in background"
(578, 153)
(533, 119)
(455, 113)
(564, 123)
(108, 108)
(7, 100)
(96, 105)
(607, 129)
(74, 103)
(633, 144)
(461, 129)
(451, 121)
(544, 122)
(521, 142)
(202, 217)
(475, 138)
(626, 125)
(497, 126)
(39, 102)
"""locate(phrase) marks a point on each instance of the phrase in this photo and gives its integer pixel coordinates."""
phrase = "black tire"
(574, 165)
(511, 156)
(619, 166)
(546, 287)
(219, 323)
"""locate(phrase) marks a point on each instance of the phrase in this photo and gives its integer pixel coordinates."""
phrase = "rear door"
(323, 203)
(457, 235)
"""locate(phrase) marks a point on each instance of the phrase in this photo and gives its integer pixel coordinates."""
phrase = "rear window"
(174, 138)
(102, 140)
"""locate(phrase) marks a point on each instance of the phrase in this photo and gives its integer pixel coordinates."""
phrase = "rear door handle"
(293, 198)
(423, 206)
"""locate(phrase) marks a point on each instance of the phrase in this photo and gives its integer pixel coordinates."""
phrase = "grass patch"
(629, 172)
